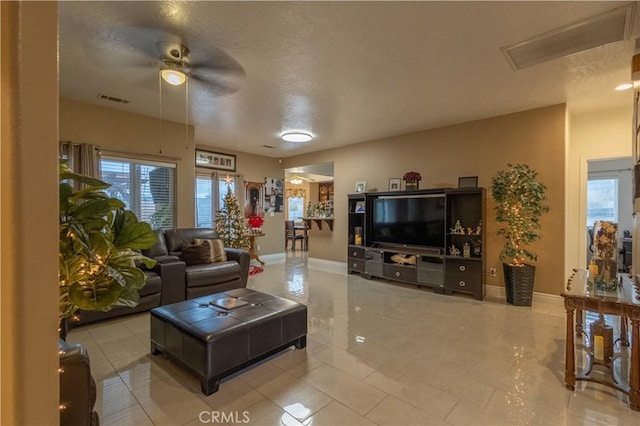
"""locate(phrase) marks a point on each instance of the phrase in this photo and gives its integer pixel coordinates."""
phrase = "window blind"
(146, 188)
(210, 191)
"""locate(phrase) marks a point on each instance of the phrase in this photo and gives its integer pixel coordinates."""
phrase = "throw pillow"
(196, 254)
(217, 249)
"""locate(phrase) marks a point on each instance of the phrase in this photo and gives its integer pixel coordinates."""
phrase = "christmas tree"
(230, 225)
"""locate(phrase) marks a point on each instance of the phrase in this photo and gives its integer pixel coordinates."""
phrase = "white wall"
(600, 135)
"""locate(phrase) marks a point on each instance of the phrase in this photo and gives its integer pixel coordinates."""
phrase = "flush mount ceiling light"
(296, 180)
(624, 86)
(173, 76)
(296, 136)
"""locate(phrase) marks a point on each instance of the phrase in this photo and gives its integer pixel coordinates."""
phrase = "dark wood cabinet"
(356, 226)
(465, 238)
(458, 266)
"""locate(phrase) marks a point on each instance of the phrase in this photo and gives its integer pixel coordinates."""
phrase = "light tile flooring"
(377, 353)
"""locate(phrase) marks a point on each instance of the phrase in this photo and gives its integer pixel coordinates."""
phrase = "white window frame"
(135, 197)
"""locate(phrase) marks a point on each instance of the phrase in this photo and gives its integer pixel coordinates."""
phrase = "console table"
(625, 303)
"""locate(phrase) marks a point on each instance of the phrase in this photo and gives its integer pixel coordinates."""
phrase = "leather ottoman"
(221, 333)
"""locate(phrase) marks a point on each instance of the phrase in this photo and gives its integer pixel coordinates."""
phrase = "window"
(295, 208)
(210, 191)
(146, 188)
(602, 200)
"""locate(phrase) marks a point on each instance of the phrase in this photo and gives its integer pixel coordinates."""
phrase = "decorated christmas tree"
(230, 225)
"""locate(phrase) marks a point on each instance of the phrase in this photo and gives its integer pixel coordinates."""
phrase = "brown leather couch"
(210, 278)
(77, 387)
(172, 281)
(164, 285)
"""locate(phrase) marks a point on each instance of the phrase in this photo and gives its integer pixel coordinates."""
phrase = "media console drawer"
(356, 252)
(397, 272)
(356, 264)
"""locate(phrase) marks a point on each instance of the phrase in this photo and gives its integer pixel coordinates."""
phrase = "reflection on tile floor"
(377, 353)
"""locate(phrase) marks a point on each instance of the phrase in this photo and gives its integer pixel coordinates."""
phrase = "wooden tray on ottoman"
(215, 342)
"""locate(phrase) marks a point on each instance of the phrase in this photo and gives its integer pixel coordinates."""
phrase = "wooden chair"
(291, 235)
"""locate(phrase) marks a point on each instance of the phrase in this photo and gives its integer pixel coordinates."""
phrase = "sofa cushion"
(217, 249)
(196, 254)
(159, 248)
(152, 285)
(177, 238)
(214, 273)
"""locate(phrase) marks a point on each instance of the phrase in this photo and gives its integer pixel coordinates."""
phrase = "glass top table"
(623, 300)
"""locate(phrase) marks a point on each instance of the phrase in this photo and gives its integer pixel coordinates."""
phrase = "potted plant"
(99, 243)
(520, 202)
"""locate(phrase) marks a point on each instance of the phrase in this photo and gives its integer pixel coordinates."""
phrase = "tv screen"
(415, 221)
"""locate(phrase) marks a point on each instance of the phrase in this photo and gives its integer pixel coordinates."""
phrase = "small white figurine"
(479, 228)
(457, 229)
(453, 251)
(466, 250)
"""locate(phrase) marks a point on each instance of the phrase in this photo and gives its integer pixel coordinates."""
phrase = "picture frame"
(360, 207)
(395, 184)
(215, 160)
(361, 186)
(468, 182)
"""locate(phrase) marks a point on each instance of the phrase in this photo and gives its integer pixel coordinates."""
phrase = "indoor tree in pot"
(520, 202)
(99, 246)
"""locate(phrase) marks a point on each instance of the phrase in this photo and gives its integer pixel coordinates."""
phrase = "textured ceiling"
(346, 71)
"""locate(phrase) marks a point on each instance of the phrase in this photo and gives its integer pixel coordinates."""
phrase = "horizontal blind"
(146, 188)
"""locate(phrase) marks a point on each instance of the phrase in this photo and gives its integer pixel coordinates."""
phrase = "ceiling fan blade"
(217, 84)
(214, 59)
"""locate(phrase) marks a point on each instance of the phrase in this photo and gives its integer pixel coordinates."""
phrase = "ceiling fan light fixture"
(173, 76)
(296, 180)
(296, 136)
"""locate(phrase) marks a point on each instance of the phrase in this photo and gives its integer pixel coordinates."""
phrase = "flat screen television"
(410, 221)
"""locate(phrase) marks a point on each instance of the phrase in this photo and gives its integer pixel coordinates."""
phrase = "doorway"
(609, 197)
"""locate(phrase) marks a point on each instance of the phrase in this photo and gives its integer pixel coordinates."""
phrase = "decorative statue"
(457, 229)
(453, 251)
(470, 231)
(466, 250)
(479, 228)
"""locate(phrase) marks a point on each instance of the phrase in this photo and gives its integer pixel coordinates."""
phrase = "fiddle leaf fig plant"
(520, 202)
(99, 243)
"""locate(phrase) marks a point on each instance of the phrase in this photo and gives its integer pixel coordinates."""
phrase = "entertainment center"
(431, 238)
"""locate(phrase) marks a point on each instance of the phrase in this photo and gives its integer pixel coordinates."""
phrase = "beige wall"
(29, 214)
(481, 148)
(600, 135)
(255, 168)
(121, 131)
(116, 130)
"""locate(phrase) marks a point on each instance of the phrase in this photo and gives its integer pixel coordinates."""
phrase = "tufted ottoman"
(218, 334)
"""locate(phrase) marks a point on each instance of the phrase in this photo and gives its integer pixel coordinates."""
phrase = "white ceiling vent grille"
(600, 30)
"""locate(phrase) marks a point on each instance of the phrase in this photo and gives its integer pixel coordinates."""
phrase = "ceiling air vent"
(112, 98)
(599, 30)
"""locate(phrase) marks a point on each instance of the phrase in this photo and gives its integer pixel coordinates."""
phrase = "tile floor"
(378, 354)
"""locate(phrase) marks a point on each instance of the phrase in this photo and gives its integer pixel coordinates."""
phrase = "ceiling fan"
(137, 50)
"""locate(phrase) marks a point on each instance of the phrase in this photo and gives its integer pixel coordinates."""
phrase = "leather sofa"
(164, 285)
(208, 278)
(171, 280)
(77, 387)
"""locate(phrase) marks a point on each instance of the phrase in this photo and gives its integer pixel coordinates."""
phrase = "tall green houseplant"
(520, 202)
(99, 243)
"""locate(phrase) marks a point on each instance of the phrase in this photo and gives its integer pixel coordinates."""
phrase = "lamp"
(173, 76)
(296, 180)
(296, 136)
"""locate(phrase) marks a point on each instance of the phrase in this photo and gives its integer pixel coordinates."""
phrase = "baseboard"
(551, 299)
(273, 258)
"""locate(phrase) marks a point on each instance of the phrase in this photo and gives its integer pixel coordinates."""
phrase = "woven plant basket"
(518, 284)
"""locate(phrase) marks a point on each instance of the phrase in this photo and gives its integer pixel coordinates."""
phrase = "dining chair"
(291, 235)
